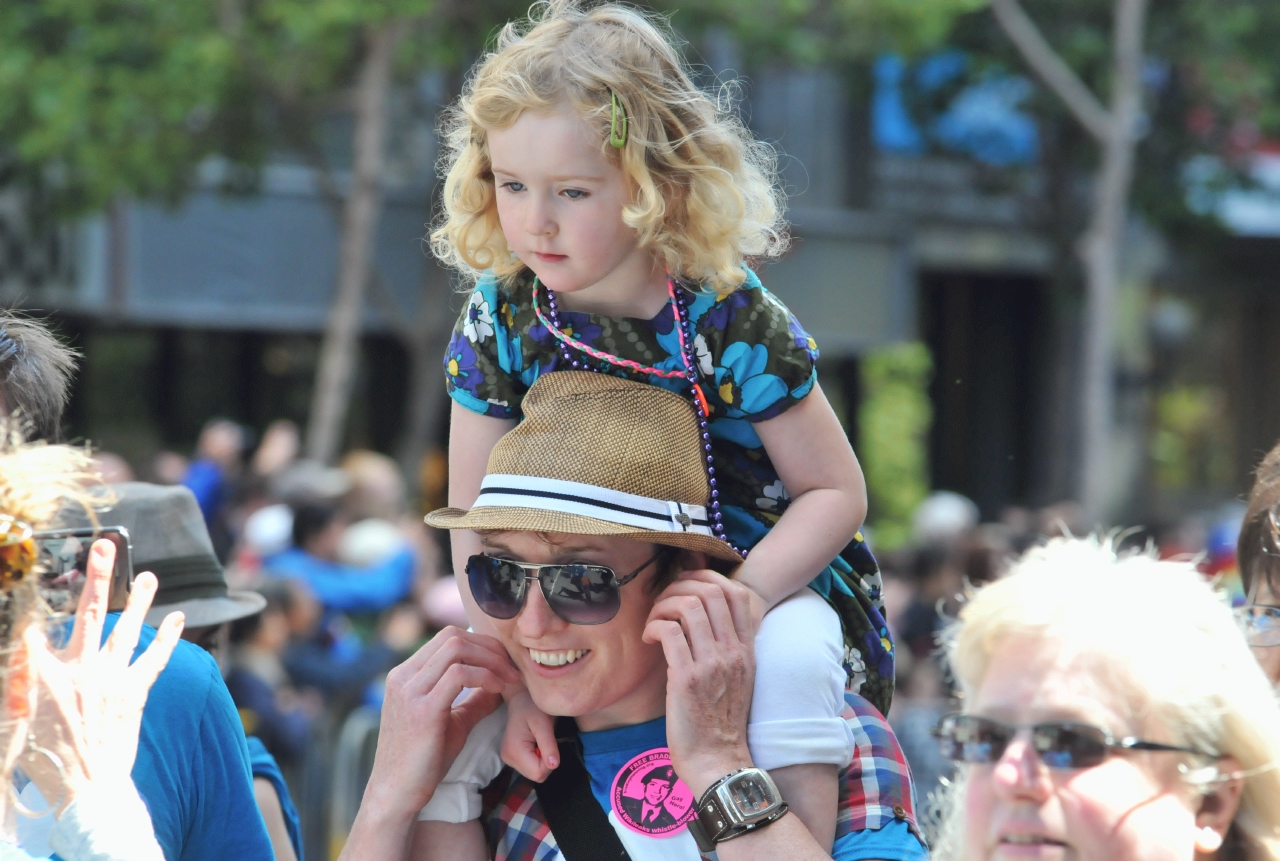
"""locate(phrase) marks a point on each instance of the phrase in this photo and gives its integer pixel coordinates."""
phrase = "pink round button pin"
(648, 798)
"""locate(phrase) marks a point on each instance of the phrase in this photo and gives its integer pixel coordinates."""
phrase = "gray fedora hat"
(170, 540)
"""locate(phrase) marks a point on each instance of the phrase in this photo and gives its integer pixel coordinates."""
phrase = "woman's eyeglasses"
(579, 594)
(1260, 623)
(1060, 744)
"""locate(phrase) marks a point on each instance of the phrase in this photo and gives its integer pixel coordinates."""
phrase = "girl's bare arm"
(828, 499)
(471, 439)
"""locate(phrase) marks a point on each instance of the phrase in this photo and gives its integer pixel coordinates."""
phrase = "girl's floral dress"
(756, 362)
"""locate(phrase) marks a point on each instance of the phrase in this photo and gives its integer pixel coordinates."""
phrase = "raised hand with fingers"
(88, 697)
(706, 624)
(424, 726)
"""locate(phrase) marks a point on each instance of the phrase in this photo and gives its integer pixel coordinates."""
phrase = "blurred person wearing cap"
(193, 767)
(35, 375)
(270, 707)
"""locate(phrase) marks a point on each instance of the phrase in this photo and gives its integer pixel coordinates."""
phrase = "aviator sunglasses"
(1261, 624)
(579, 594)
(1060, 744)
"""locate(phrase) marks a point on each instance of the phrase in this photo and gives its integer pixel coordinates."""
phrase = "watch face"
(750, 794)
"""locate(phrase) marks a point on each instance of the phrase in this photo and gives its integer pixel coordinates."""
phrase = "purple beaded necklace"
(569, 345)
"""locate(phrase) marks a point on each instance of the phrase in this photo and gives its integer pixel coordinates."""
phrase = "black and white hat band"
(589, 500)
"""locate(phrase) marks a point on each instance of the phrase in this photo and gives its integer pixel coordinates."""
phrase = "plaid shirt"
(875, 790)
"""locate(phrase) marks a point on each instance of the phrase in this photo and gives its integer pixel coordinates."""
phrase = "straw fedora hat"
(598, 455)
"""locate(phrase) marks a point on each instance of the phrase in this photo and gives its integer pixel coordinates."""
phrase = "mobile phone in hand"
(63, 560)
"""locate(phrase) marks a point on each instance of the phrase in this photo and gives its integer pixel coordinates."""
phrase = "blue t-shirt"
(265, 766)
(347, 588)
(607, 751)
(192, 768)
(204, 479)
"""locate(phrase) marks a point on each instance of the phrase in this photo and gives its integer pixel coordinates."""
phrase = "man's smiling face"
(604, 675)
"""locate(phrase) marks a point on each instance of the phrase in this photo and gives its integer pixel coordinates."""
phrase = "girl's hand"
(88, 698)
(529, 742)
(705, 624)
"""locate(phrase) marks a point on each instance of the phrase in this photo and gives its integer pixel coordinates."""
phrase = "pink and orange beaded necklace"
(568, 344)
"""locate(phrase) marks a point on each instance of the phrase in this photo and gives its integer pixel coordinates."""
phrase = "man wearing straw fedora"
(593, 516)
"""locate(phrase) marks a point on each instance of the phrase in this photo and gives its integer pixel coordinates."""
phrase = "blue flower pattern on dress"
(725, 310)
(742, 383)
(575, 324)
(460, 366)
(801, 338)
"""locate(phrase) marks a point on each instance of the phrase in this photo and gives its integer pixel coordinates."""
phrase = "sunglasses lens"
(497, 586)
(581, 594)
(1261, 625)
(1069, 745)
(966, 738)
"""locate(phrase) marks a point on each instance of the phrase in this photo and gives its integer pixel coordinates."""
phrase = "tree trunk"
(426, 384)
(1100, 253)
(335, 375)
(1114, 128)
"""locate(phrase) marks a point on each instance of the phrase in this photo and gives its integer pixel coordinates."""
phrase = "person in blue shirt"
(340, 588)
(211, 477)
(193, 768)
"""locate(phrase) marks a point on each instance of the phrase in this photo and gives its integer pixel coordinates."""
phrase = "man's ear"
(1218, 808)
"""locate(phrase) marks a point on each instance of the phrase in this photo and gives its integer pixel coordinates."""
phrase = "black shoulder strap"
(581, 827)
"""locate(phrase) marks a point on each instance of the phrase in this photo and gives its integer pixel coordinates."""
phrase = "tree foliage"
(894, 418)
(103, 96)
(810, 32)
(1212, 87)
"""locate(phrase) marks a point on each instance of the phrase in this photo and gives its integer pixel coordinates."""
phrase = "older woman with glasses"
(1258, 555)
(1112, 710)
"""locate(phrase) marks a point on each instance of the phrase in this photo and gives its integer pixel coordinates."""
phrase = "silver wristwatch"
(734, 805)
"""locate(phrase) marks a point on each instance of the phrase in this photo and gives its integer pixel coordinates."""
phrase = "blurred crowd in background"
(354, 581)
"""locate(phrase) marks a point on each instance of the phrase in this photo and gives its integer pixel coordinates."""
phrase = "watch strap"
(713, 825)
(709, 826)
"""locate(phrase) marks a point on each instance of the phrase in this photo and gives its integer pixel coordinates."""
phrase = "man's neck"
(647, 701)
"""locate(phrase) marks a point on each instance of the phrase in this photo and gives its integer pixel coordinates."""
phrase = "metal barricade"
(351, 765)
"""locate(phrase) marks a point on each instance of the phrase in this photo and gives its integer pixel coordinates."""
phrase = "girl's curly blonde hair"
(705, 192)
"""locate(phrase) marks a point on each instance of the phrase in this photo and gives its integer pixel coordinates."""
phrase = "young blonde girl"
(604, 206)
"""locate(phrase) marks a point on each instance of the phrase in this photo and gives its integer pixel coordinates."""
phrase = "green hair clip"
(617, 116)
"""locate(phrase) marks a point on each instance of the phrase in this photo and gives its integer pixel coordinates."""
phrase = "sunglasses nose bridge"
(1020, 770)
(536, 614)
(1020, 747)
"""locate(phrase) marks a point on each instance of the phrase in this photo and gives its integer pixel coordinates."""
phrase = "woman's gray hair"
(35, 375)
(1168, 642)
